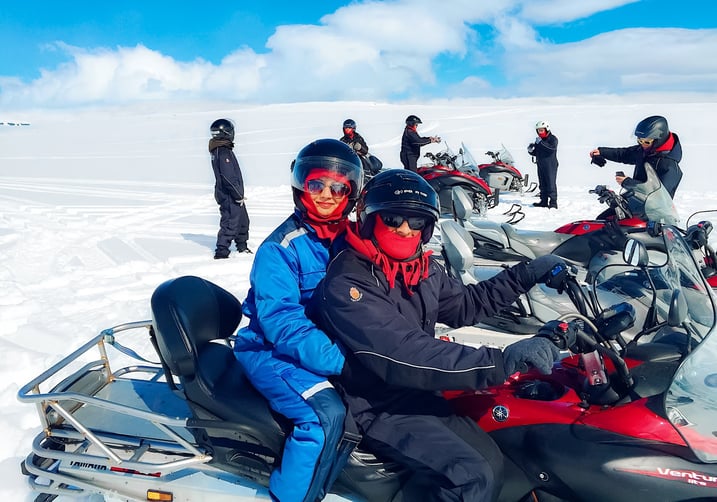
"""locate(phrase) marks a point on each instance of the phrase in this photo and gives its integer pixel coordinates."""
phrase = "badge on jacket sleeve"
(355, 294)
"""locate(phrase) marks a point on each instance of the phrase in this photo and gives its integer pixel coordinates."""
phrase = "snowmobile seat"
(192, 320)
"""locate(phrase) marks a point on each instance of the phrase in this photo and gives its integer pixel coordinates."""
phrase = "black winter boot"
(542, 203)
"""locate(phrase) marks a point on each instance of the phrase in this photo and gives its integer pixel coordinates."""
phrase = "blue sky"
(80, 52)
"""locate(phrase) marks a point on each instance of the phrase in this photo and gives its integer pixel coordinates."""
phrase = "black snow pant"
(233, 226)
(547, 182)
(451, 457)
(409, 162)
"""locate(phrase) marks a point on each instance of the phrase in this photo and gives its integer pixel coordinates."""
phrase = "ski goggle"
(645, 141)
(396, 220)
(338, 189)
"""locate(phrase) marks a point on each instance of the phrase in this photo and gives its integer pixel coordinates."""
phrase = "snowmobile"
(182, 424)
(617, 421)
(447, 171)
(501, 174)
(578, 241)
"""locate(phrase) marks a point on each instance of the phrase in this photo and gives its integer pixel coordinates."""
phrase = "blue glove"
(537, 352)
(550, 270)
(531, 148)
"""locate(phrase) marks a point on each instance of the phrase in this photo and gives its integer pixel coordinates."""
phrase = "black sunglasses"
(396, 220)
(337, 189)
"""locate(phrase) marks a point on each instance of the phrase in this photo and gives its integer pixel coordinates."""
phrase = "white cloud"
(397, 57)
(625, 60)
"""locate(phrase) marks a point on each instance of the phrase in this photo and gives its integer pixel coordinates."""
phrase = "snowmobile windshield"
(651, 200)
(466, 159)
(673, 289)
(691, 400)
(505, 156)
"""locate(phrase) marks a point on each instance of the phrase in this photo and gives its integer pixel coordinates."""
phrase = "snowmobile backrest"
(458, 249)
(188, 313)
(462, 204)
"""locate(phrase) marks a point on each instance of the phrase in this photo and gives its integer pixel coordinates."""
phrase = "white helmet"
(542, 124)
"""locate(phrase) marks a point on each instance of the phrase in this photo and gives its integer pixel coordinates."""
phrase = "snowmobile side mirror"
(678, 309)
(635, 254)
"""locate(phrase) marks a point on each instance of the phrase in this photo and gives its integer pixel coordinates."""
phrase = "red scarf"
(327, 227)
(411, 270)
(667, 145)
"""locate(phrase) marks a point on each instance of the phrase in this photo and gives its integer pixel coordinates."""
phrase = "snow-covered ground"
(99, 206)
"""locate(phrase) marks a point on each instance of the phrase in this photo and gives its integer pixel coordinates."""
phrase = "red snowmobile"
(447, 171)
(501, 174)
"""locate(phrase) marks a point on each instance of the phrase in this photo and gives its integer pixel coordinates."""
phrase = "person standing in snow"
(411, 143)
(228, 190)
(286, 357)
(656, 146)
(545, 155)
(380, 300)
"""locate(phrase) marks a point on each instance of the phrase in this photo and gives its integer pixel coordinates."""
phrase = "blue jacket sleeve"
(281, 288)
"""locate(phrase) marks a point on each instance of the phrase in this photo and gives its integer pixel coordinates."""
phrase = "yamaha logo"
(500, 413)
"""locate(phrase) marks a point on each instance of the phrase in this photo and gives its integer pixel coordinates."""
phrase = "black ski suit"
(664, 160)
(229, 194)
(545, 151)
(411, 144)
(359, 146)
(395, 369)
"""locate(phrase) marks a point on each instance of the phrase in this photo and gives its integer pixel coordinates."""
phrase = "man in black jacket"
(380, 301)
(656, 145)
(411, 143)
(545, 155)
(228, 190)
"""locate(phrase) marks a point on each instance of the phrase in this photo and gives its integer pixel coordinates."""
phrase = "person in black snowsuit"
(545, 155)
(371, 165)
(228, 190)
(380, 301)
(656, 145)
(411, 143)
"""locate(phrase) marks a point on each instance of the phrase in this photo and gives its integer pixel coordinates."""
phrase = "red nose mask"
(543, 134)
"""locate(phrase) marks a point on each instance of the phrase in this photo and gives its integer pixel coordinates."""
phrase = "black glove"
(562, 334)
(531, 148)
(538, 352)
(550, 270)
(598, 160)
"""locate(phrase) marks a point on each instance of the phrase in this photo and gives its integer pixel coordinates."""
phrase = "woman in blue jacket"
(286, 357)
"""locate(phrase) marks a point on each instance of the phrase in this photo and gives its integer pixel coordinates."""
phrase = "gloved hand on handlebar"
(537, 352)
(562, 334)
(550, 270)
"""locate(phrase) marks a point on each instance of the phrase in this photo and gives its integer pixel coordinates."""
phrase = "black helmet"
(331, 155)
(412, 120)
(222, 129)
(349, 124)
(400, 191)
(654, 127)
